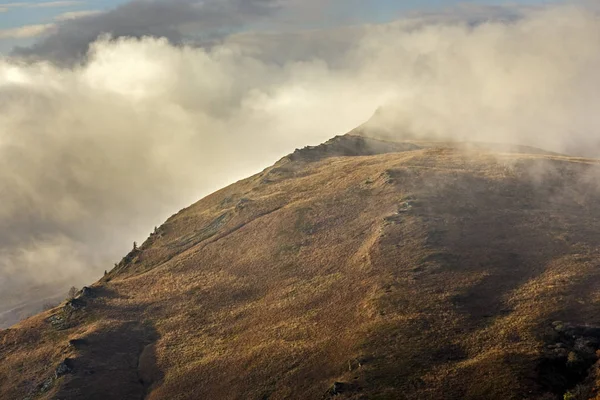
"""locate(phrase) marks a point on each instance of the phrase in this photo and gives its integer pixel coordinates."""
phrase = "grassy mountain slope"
(358, 269)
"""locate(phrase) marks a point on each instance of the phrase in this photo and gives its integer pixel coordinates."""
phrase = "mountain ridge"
(360, 268)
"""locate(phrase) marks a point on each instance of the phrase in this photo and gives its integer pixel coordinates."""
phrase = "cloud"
(139, 18)
(93, 155)
(27, 31)
(205, 23)
(48, 4)
(528, 81)
(76, 15)
(53, 4)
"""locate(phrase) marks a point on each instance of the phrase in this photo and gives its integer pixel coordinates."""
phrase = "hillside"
(357, 269)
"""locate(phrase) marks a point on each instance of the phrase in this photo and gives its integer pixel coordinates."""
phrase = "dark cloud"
(208, 23)
(158, 18)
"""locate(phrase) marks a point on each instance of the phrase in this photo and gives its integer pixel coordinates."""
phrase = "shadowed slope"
(358, 269)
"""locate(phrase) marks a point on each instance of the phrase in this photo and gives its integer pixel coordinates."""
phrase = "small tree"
(134, 245)
(72, 293)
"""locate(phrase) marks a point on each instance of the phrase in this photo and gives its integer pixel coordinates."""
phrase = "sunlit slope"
(360, 269)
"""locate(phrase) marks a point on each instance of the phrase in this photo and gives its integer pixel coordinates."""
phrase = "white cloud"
(76, 15)
(53, 4)
(48, 4)
(27, 31)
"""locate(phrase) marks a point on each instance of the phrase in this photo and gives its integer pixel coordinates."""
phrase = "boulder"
(76, 304)
(339, 388)
(86, 292)
(64, 368)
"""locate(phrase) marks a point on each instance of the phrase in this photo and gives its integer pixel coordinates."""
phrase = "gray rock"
(58, 322)
(65, 367)
(77, 343)
(76, 304)
(86, 292)
(47, 385)
(338, 388)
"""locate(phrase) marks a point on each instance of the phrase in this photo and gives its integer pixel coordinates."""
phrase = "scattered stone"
(577, 331)
(57, 321)
(243, 203)
(406, 206)
(76, 304)
(339, 388)
(46, 385)
(77, 342)
(583, 345)
(567, 360)
(348, 145)
(64, 368)
(86, 292)
(560, 353)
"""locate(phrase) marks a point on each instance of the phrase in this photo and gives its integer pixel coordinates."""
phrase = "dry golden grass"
(434, 271)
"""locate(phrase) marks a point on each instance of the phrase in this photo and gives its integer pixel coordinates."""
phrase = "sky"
(22, 22)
